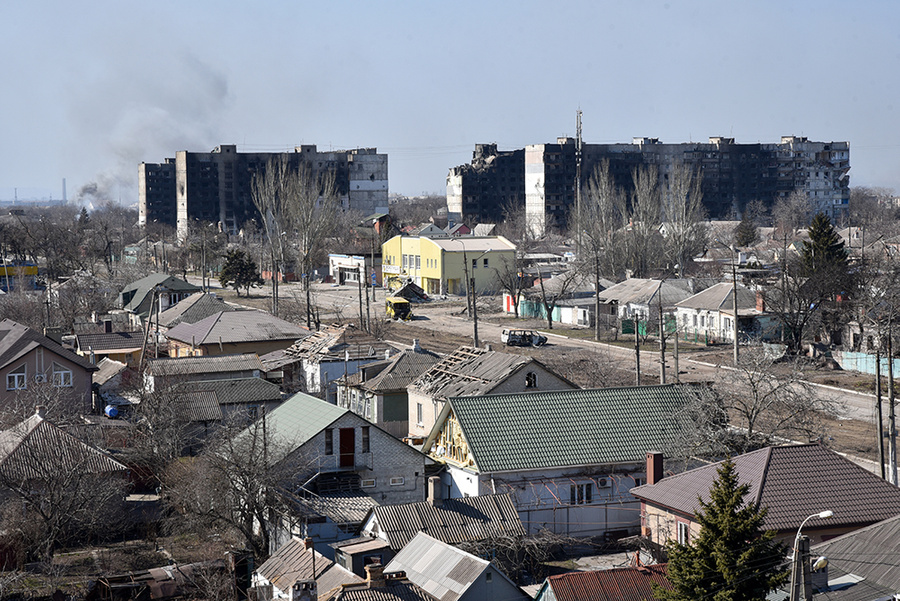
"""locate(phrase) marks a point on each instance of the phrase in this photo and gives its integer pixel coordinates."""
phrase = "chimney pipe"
(654, 467)
(415, 346)
(375, 575)
(40, 411)
(434, 491)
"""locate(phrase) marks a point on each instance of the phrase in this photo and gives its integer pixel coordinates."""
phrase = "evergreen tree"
(746, 233)
(239, 271)
(732, 558)
(824, 249)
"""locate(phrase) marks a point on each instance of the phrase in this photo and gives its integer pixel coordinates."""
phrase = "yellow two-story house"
(441, 265)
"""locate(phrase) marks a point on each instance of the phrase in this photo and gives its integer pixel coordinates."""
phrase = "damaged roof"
(470, 371)
(396, 373)
(335, 343)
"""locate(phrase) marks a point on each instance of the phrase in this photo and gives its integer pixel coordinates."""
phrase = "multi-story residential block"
(216, 186)
(733, 175)
(492, 182)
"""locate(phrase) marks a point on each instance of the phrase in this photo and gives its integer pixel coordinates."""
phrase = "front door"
(347, 446)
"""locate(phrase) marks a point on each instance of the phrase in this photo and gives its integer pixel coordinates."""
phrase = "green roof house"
(568, 457)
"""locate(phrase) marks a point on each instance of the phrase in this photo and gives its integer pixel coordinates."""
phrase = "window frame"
(683, 533)
(365, 439)
(62, 373)
(18, 378)
(329, 441)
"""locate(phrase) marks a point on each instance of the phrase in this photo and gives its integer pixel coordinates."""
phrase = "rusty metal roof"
(793, 481)
(617, 584)
(454, 521)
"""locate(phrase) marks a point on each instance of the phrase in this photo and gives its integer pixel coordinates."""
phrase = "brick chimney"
(760, 302)
(375, 575)
(654, 467)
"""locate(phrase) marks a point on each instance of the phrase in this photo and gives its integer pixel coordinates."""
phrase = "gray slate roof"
(199, 406)
(107, 370)
(644, 291)
(231, 327)
(185, 366)
(17, 341)
(469, 371)
(398, 372)
(719, 298)
(112, 341)
(238, 390)
(192, 309)
(135, 296)
(871, 553)
(443, 571)
(454, 521)
(340, 508)
(35, 449)
(293, 562)
(566, 428)
(794, 482)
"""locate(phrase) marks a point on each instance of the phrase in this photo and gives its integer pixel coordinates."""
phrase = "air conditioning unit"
(40, 377)
(603, 483)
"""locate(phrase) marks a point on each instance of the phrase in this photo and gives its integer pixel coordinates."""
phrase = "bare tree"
(510, 274)
(235, 483)
(683, 208)
(522, 558)
(766, 398)
(562, 287)
(642, 239)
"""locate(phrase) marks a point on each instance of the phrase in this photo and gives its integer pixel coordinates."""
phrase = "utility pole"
(734, 298)
(474, 314)
(801, 574)
(637, 351)
(578, 181)
(879, 409)
(892, 423)
(360, 274)
(365, 274)
(662, 339)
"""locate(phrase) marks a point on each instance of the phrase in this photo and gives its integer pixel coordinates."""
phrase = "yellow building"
(440, 265)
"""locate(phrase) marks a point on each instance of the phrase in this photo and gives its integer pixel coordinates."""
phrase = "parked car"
(522, 338)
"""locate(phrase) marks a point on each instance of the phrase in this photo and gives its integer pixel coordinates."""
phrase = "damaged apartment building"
(216, 186)
(541, 177)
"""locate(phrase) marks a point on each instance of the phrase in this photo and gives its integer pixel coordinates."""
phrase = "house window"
(62, 377)
(418, 261)
(367, 483)
(15, 380)
(580, 494)
(531, 380)
(253, 412)
(329, 441)
(485, 263)
(684, 531)
(396, 481)
(365, 439)
(419, 413)
(474, 263)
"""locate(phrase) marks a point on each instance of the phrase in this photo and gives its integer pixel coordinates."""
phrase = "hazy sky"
(91, 89)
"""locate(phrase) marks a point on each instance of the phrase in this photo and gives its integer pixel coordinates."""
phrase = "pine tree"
(732, 558)
(746, 233)
(824, 249)
(239, 272)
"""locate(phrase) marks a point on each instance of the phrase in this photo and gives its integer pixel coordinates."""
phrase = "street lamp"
(799, 569)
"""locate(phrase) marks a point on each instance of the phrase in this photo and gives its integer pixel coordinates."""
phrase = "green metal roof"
(296, 421)
(568, 427)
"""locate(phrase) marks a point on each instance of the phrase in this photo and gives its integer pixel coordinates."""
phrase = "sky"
(92, 89)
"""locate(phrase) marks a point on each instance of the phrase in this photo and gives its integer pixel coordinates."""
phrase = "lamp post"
(799, 568)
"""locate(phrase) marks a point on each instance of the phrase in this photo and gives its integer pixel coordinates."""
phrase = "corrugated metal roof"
(230, 327)
(468, 371)
(872, 553)
(564, 428)
(199, 406)
(393, 590)
(237, 390)
(35, 449)
(185, 366)
(443, 571)
(454, 521)
(794, 482)
(293, 562)
(617, 584)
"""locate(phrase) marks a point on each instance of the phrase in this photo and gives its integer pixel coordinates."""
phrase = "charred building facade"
(216, 186)
(483, 189)
(732, 174)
